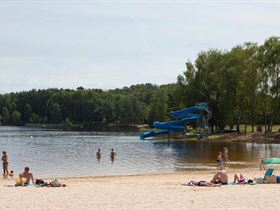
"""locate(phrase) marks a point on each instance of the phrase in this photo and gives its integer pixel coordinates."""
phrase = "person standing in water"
(98, 154)
(220, 160)
(112, 155)
(5, 164)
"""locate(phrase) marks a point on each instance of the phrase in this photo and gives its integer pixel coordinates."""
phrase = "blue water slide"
(168, 127)
(191, 114)
(188, 112)
(153, 133)
(175, 125)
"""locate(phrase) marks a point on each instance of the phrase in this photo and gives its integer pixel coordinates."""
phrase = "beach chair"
(268, 172)
(269, 178)
(267, 175)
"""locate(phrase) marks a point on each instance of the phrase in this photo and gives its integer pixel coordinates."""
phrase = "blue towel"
(269, 172)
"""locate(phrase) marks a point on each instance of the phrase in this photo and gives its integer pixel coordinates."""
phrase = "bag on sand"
(55, 183)
(39, 181)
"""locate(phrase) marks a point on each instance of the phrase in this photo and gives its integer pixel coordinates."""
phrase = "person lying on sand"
(220, 177)
(203, 184)
(27, 175)
(239, 179)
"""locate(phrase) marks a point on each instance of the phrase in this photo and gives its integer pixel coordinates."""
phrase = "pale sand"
(161, 191)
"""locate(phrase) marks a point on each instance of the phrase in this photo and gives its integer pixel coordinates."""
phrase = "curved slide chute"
(189, 115)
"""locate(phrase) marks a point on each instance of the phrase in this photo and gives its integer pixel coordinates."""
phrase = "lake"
(51, 153)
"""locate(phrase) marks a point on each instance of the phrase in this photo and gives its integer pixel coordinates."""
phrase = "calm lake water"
(58, 153)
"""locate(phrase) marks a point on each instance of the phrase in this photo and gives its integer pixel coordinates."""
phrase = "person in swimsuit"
(112, 155)
(203, 184)
(220, 161)
(225, 154)
(11, 174)
(262, 166)
(5, 164)
(28, 175)
(98, 154)
(220, 177)
(239, 179)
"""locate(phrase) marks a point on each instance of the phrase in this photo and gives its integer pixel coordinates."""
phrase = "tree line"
(241, 85)
(129, 105)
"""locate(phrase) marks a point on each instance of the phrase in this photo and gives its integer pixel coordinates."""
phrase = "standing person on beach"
(262, 167)
(220, 160)
(112, 155)
(5, 164)
(225, 154)
(98, 154)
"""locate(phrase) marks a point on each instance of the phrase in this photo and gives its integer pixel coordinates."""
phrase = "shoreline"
(249, 137)
(196, 171)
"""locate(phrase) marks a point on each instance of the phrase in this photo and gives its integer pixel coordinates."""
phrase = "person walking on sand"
(98, 154)
(112, 155)
(5, 164)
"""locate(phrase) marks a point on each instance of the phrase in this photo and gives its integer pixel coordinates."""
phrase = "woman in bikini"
(239, 179)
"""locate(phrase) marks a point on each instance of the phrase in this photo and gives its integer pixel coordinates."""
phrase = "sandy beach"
(153, 191)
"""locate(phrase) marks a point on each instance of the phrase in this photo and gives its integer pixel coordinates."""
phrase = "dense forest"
(241, 85)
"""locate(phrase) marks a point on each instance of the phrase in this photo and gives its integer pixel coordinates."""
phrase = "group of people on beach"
(113, 154)
(223, 157)
(25, 177)
(221, 177)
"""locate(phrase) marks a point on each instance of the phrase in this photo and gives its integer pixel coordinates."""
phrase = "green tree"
(269, 56)
(56, 114)
(5, 115)
(16, 117)
(158, 110)
(34, 118)
(27, 112)
(68, 123)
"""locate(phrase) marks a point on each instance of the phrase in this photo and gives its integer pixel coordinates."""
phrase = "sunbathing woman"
(240, 180)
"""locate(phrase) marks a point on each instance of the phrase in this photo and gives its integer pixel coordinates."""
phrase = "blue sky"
(109, 44)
